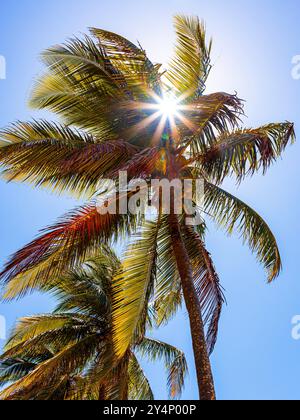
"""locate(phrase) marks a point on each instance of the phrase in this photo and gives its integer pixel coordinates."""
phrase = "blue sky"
(254, 43)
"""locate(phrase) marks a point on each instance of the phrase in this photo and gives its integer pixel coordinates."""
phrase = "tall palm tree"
(112, 102)
(69, 354)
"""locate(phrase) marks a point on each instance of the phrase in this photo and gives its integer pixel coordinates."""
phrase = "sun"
(167, 110)
(168, 106)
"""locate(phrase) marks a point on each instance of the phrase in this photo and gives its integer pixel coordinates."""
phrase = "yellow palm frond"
(133, 287)
(190, 68)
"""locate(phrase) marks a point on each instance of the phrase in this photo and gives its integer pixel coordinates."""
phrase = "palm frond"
(34, 326)
(168, 290)
(41, 130)
(209, 117)
(139, 386)
(174, 359)
(46, 374)
(12, 370)
(207, 284)
(85, 58)
(140, 73)
(78, 101)
(87, 289)
(191, 66)
(234, 215)
(61, 169)
(247, 151)
(133, 287)
(63, 246)
(82, 86)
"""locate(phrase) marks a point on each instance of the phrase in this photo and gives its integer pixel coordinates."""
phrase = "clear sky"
(254, 43)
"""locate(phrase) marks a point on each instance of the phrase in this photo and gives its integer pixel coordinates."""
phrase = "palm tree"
(69, 355)
(112, 103)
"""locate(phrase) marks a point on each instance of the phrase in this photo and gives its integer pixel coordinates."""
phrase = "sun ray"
(185, 95)
(168, 109)
(133, 131)
(159, 131)
(174, 129)
(188, 123)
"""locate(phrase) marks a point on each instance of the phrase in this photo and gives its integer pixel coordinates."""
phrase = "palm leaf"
(232, 214)
(174, 360)
(168, 290)
(84, 57)
(133, 287)
(41, 130)
(32, 327)
(12, 370)
(131, 61)
(60, 169)
(207, 284)
(46, 374)
(246, 151)
(190, 68)
(209, 117)
(139, 386)
(61, 247)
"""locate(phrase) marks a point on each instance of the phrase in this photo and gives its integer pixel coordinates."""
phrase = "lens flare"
(169, 111)
(168, 106)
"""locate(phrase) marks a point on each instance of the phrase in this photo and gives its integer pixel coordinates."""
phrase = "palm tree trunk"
(102, 393)
(123, 380)
(203, 367)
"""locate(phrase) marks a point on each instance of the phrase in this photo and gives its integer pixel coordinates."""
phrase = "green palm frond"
(41, 130)
(82, 296)
(168, 291)
(79, 102)
(84, 57)
(46, 345)
(56, 340)
(46, 374)
(12, 370)
(174, 359)
(87, 289)
(139, 386)
(75, 167)
(105, 372)
(133, 288)
(245, 152)
(35, 326)
(140, 73)
(191, 66)
(209, 117)
(233, 215)
(82, 86)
